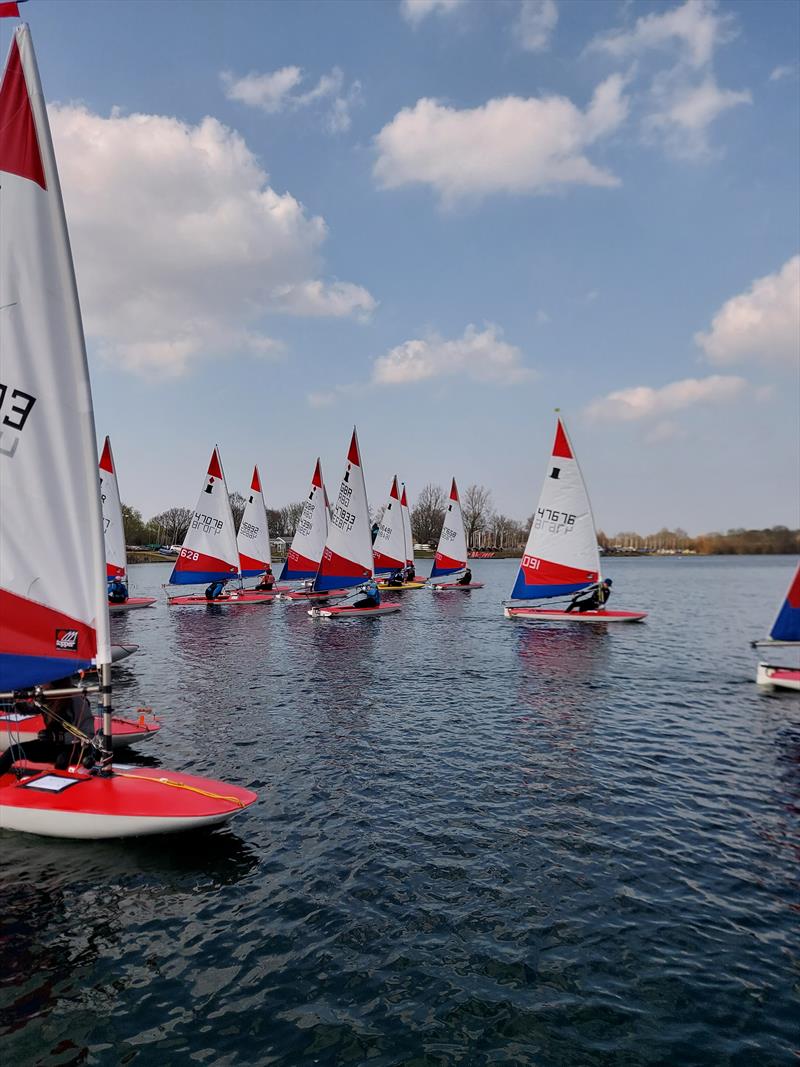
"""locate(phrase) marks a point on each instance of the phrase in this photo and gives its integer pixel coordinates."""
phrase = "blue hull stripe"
(288, 575)
(787, 624)
(20, 672)
(330, 581)
(437, 572)
(201, 577)
(523, 591)
(252, 573)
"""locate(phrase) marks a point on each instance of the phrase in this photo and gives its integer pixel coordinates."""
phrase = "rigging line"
(181, 785)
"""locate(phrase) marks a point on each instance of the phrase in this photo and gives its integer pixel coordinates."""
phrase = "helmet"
(609, 581)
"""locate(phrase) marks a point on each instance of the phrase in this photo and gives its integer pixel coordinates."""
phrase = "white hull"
(94, 827)
(778, 677)
(549, 615)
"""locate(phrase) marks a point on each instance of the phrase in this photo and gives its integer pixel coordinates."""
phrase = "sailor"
(68, 721)
(598, 595)
(409, 574)
(396, 577)
(117, 590)
(214, 591)
(370, 595)
(466, 578)
(267, 580)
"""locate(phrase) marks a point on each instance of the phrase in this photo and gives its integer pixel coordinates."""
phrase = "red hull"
(125, 731)
(554, 615)
(441, 586)
(132, 603)
(232, 600)
(353, 613)
(330, 595)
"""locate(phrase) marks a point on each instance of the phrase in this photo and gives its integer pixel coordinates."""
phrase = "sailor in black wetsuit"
(56, 743)
(214, 591)
(598, 595)
(117, 591)
(466, 578)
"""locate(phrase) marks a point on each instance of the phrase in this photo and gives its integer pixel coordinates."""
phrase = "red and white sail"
(308, 542)
(408, 536)
(53, 603)
(209, 549)
(389, 547)
(255, 554)
(451, 552)
(113, 526)
(561, 555)
(347, 558)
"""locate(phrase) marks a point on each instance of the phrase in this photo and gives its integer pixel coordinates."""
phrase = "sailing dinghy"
(210, 552)
(389, 548)
(308, 543)
(252, 539)
(561, 556)
(347, 561)
(451, 552)
(114, 532)
(54, 617)
(785, 633)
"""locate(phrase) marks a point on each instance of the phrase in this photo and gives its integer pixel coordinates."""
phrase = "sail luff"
(52, 563)
(786, 628)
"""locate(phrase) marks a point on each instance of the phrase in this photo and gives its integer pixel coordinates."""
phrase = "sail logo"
(67, 640)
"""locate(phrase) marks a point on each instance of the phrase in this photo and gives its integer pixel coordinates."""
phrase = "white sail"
(347, 559)
(389, 547)
(308, 543)
(53, 600)
(255, 553)
(113, 525)
(409, 536)
(451, 552)
(209, 549)
(561, 556)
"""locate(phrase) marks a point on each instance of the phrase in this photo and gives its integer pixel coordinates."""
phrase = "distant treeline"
(486, 529)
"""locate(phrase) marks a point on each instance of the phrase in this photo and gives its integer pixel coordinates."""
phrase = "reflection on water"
(476, 842)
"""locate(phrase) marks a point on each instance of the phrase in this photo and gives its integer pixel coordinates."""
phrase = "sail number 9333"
(554, 522)
(15, 407)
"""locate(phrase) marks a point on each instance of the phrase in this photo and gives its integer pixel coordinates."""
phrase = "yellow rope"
(182, 785)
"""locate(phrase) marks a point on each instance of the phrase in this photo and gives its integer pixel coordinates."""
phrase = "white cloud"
(269, 92)
(275, 92)
(181, 245)
(534, 24)
(644, 402)
(684, 98)
(480, 355)
(684, 112)
(786, 71)
(510, 144)
(414, 11)
(760, 324)
(695, 29)
(542, 318)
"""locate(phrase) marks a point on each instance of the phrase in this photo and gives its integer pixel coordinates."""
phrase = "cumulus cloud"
(683, 99)
(534, 24)
(510, 144)
(414, 11)
(785, 71)
(181, 245)
(278, 91)
(480, 355)
(696, 28)
(760, 324)
(644, 402)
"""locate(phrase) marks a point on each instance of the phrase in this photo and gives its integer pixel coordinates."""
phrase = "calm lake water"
(477, 842)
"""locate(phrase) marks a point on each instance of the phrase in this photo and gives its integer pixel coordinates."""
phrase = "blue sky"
(439, 220)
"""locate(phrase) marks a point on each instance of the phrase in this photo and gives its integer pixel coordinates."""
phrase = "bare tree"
(289, 518)
(427, 515)
(476, 507)
(238, 503)
(174, 522)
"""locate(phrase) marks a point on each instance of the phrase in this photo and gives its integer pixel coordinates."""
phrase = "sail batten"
(347, 558)
(53, 598)
(209, 552)
(561, 555)
(308, 543)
